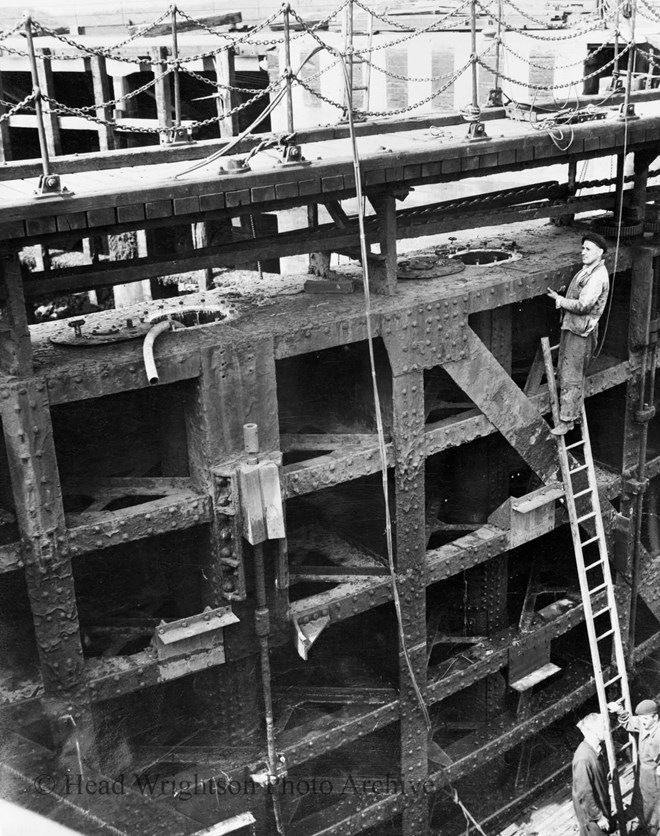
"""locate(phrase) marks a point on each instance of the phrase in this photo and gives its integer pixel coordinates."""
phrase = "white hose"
(148, 349)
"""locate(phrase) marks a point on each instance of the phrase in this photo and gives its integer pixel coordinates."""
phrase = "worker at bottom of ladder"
(581, 309)
(591, 798)
(646, 800)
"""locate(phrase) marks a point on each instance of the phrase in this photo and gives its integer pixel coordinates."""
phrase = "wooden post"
(51, 120)
(162, 89)
(384, 278)
(5, 140)
(227, 100)
(101, 84)
(15, 345)
(408, 431)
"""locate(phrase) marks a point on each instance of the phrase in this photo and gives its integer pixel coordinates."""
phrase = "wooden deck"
(552, 813)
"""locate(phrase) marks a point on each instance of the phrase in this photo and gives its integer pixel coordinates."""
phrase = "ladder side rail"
(591, 633)
(582, 575)
(619, 654)
(552, 381)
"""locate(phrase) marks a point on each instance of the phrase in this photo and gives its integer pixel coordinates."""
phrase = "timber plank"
(66, 223)
(186, 205)
(449, 166)
(261, 193)
(101, 217)
(286, 190)
(40, 226)
(241, 197)
(158, 209)
(208, 202)
(309, 187)
(412, 172)
(130, 212)
(12, 229)
(332, 184)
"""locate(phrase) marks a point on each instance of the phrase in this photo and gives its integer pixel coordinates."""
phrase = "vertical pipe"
(632, 55)
(287, 71)
(498, 43)
(177, 80)
(43, 146)
(348, 51)
(473, 28)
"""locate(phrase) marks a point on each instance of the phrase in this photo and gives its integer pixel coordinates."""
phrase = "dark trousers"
(575, 354)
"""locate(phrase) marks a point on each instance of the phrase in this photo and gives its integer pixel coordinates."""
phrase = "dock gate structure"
(289, 552)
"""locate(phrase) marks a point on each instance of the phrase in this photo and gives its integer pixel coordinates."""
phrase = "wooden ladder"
(594, 573)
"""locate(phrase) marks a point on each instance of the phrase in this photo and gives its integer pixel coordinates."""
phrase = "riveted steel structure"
(131, 508)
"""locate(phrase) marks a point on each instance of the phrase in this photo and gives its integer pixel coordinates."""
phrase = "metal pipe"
(287, 71)
(646, 399)
(632, 56)
(177, 80)
(348, 51)
(473, 27)
(41, 131)
(261, 616)
(148, 349)
(498, 42)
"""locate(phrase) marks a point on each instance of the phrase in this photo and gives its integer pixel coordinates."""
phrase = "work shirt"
(591, 797)
(585, 299)
(648, 742)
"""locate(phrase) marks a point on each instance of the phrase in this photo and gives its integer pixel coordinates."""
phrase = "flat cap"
(647, 707)
(596, 239)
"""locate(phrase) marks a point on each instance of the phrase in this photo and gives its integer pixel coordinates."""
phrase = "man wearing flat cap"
(581, 309)
(647, 784)
(591, 798)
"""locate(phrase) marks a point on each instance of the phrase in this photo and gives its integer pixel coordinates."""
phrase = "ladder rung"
(593, 565)
(604, 635)
(625, 745)
(589, 542)
(578, 469)
(595, 615)
(612, 681)
(583, 493)
(598, 589)
(575, 444)
(586, 516)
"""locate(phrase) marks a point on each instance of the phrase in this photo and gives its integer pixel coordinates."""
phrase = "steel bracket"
(193, 643)
(307, 631)
(643, 416)
(50, 185)
(635, 486)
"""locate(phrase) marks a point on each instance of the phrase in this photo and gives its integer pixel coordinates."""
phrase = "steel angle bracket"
(192, 644)
(308, 630)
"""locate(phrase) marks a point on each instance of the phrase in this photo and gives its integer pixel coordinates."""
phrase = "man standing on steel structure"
(581, 308)
(647, 783)
(591, 798)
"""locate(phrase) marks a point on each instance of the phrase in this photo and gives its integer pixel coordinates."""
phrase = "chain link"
(105, 52)
(386, 113)
(14, 29)
(219, 86)
(59, 108)
(654, 14)
(562, 84)
(556, 67)
(15, 108)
